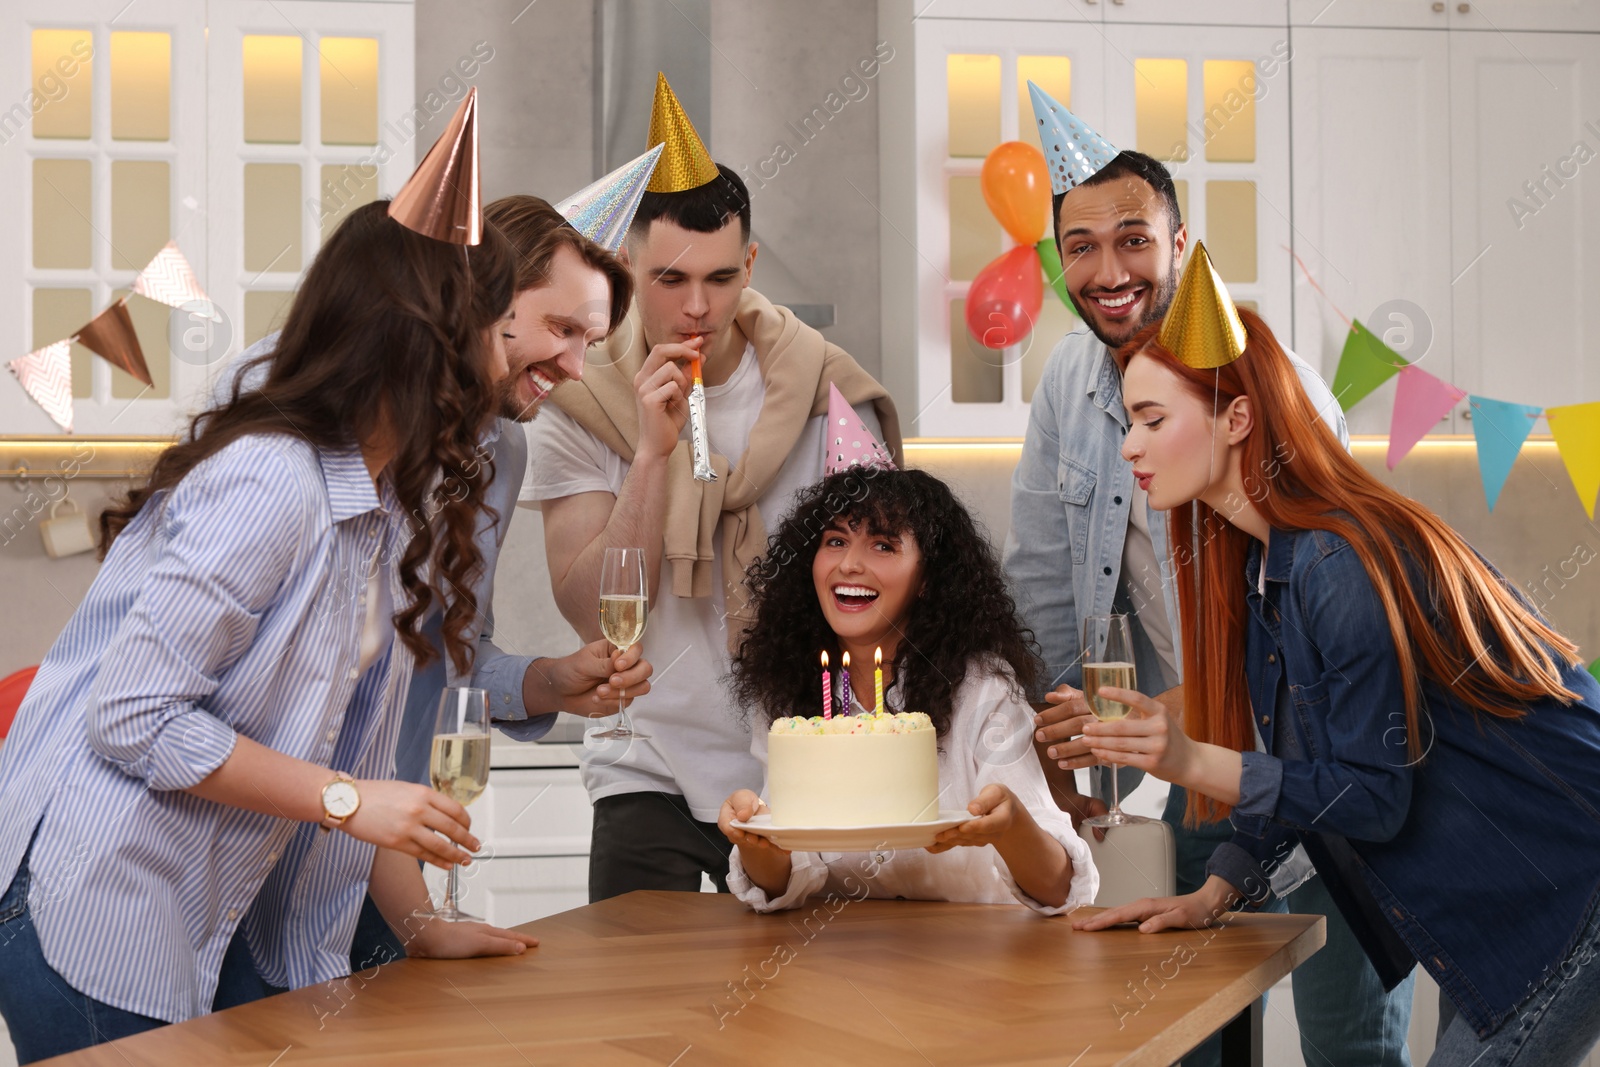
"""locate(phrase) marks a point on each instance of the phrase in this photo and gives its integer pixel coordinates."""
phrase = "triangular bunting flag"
(1500, 427)
(168, 279)
(1420, 401)
(1365, 364)
(110, 335)
(1576, 428)
(604, 210)
(46, 374)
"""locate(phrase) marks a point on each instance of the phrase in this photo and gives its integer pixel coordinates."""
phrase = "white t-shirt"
(699, 740)
(990, 740)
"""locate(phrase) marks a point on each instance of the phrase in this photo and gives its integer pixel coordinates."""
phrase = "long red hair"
(1469, 632)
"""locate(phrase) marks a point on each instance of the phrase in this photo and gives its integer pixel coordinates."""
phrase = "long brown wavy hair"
(390, 332)
(1454, 622)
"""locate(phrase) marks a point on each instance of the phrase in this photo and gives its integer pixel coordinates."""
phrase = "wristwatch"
(339, 800)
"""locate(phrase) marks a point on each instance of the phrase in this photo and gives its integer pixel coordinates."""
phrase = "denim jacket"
(1484, 854)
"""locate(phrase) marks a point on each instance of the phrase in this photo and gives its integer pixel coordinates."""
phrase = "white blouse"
(990, 741)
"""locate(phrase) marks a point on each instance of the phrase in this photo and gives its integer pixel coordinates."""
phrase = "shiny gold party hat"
(441, 198)
(1202, 327)
(685, 164)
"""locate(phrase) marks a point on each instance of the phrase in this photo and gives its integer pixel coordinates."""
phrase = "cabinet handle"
(1463, 8)
(1466, 413)
(1438, 6)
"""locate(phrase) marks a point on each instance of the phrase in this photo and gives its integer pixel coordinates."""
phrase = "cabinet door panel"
(1503, 15)
(1201, 12)
(1371, 210)
(1524, 137)
(1213, 104)
(534, 812)
(1372, 14)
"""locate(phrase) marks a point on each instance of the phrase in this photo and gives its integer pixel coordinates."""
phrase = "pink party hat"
(846, 441)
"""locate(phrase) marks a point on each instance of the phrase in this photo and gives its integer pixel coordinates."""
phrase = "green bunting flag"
(1365, 364)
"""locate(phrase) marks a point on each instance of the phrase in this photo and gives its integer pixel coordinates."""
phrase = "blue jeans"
(1340, 1008)
(47, 1017)
(1556, 1026)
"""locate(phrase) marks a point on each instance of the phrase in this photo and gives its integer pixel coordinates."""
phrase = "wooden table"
(696, 978)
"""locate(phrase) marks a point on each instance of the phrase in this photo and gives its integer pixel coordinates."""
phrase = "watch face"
(340, 799)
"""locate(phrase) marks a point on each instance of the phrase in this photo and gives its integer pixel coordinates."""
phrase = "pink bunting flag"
(846, 441)
(46, 374)
(1420, 401)
(169, 279)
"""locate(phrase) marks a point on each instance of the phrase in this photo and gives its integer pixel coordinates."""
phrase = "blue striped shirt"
(231, 605)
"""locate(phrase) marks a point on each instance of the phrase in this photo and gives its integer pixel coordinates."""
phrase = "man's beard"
(1161, 299)
(508, 406)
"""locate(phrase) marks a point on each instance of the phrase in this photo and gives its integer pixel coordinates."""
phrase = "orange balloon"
(1016, 186)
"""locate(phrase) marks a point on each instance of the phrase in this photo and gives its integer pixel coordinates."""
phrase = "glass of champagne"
(1108, 661)
(624, 606)
(459, 766)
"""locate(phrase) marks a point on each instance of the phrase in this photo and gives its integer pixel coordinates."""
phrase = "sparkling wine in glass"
(1108, 662)
(624, 608)
(459, 766)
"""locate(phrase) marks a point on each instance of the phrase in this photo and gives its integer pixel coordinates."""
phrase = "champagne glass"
(459, 766)
(1108, 661)
(624, 606)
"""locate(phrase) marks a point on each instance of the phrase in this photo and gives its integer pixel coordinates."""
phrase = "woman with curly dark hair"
(890, 559)
(235, 674)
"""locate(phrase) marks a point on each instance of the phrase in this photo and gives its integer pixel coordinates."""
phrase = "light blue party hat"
(1073, 151)
(603, 211)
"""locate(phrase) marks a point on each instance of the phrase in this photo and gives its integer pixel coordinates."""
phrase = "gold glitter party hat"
(1202, 326)
(441, 198)
(685, 164)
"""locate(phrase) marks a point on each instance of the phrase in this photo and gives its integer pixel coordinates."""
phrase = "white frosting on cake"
(853, 770)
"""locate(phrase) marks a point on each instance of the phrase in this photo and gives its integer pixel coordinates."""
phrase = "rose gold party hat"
(1202, 326)
(441, 198)
(685, 164)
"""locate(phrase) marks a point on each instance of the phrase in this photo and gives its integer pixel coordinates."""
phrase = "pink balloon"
(1004, 299)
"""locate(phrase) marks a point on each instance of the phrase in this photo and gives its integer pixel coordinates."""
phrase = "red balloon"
(1004, 299)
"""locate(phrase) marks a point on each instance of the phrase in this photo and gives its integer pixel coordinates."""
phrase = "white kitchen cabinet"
(1371, 208)
(1524, 109)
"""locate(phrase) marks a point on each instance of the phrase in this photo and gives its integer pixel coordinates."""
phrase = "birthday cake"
(853, 770)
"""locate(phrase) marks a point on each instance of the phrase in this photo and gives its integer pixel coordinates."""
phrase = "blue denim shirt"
(1484, 855)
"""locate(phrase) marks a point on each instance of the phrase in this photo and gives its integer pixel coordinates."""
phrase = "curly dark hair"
(964, 613)
(391, 324)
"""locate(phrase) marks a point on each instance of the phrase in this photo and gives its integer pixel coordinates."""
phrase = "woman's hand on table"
(409, 818)
(1061, 727)
(1189, 912)
(439, 940)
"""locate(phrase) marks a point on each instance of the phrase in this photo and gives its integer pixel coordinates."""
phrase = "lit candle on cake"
(877, 679)
(844, 686)
(827, 689)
